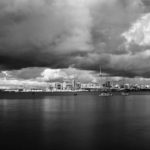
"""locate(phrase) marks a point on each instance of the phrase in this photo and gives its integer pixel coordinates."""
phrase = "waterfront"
(76, 122)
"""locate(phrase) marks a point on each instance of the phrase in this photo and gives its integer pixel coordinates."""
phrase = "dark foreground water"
(75, 123)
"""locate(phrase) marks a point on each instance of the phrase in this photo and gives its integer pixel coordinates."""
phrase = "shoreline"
(28, 95)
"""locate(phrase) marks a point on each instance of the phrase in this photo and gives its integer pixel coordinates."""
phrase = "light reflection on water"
(76, 122)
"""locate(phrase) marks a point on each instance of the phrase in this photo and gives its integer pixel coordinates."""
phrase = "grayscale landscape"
(75, 74)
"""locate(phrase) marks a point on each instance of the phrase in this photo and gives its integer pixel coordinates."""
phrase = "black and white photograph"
(75, 74)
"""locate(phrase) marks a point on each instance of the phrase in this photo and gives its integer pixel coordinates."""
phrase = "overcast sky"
(55, 39)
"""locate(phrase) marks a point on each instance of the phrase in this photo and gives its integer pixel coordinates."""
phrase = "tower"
(100, 75)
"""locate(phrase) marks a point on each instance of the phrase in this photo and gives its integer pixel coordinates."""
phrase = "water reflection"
(54, 105)
(76, 122)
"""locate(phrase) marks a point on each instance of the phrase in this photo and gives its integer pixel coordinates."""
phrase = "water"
(75, 122)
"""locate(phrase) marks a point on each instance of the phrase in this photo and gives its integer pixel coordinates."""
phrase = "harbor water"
(83, 122)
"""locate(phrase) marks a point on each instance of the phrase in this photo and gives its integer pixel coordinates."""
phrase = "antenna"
(100, 75)
(100, 71)
(5, 74)
(74, 80)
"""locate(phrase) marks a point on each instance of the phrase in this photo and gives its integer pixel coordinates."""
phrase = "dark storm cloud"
(46, 38)
(146, 3)
(63, 33)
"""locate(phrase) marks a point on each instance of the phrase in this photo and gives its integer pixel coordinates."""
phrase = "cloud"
(68, 74)
(73, 33)
(132, 65)
(50, 75)
(139, 33)
(30, 37)
(15, 83)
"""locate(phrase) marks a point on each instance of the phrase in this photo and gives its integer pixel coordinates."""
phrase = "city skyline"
(50, 76)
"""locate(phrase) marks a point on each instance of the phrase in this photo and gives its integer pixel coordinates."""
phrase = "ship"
(124, 93)
(105, 94)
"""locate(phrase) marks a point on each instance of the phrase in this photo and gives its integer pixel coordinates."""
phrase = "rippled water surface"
(75, 122)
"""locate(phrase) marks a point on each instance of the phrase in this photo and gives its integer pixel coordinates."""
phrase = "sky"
(52, 40)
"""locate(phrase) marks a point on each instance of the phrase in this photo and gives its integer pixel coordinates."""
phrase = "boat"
(75, 94)
(105, 94)
(124, 93)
